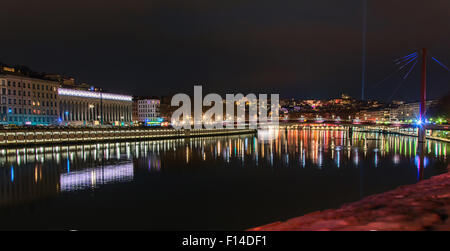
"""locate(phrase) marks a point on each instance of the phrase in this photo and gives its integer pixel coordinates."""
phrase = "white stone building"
(81, 107)
(148, 110)
(27, 101)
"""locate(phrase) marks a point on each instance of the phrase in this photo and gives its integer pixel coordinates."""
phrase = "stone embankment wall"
(75, 135)
(422, 206)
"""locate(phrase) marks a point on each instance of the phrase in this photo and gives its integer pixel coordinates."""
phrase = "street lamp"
(91, 112)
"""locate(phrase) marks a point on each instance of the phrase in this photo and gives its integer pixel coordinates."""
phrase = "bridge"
(436, 127)
(433, 132)
(408, 63)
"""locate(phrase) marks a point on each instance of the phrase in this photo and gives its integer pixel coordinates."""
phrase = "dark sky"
(302, 49)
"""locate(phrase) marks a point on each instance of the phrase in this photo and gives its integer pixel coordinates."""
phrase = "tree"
(441, 109)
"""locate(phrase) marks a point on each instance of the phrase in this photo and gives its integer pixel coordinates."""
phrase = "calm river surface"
(211, 183)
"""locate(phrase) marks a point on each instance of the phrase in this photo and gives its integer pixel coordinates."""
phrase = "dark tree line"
(441, 109)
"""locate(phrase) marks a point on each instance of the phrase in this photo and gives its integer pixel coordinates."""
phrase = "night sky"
(301, 49)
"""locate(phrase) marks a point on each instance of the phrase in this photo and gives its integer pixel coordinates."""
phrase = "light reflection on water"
(94, 177)
(28, 175)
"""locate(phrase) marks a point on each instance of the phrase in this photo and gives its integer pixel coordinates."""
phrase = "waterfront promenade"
(42, 136)
(64, 135)
(421, 206)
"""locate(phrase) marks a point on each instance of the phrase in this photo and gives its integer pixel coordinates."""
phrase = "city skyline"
(300, 50)
(15, 70)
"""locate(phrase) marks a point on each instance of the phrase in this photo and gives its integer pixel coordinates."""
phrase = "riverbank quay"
(418, 207)
(405, 132)
(435, 133)
(44, 136)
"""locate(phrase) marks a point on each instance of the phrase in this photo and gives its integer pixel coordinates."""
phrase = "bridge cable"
(412, 67)
(402, 81)
(405, 57)
(441, 64)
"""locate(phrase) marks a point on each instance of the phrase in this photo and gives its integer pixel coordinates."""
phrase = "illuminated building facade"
(147, 110)
(135, 115)
(381, 115)
(82, 107)
(409, 112)
(28, 101)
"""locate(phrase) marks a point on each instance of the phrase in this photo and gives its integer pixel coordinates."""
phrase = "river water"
(211, 183)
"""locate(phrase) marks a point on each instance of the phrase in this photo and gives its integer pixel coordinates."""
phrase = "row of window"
(6, 110)
(147, 110)
(155, 114)
(146, 101)
(28, 85)
(148, 106)
(148, 114)
(28, 119)
(14, 92)
(34, 103)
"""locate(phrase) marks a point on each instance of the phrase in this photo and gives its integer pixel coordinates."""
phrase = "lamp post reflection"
(52, 170)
